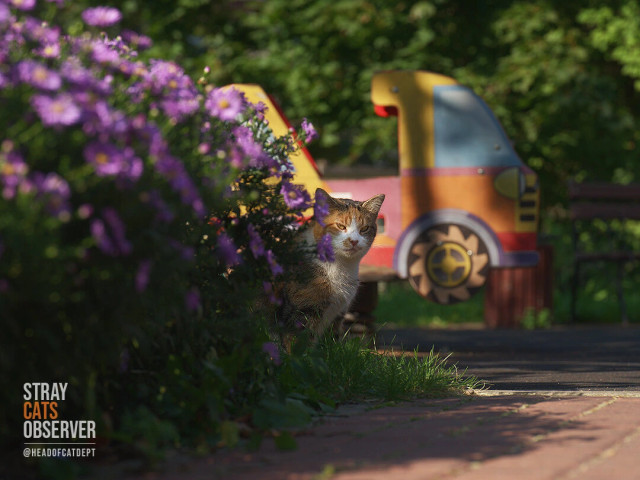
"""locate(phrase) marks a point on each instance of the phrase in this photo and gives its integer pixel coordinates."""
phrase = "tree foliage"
(562, 77)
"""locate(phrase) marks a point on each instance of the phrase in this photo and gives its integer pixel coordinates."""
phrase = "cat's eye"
(364, 229)
(340, 226)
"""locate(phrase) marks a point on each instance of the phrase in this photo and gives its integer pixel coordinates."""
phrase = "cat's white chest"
(343, 279)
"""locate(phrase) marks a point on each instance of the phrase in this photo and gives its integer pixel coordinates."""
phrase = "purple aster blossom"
(109, 160)
(55, 191)
(109, 120)
(320, 208)
(310, 132)
(248, 148)
(77, 75)
(101, 16)
(112, 240)
(225, 104)
(227, 251)
(295, 196)
(163, 211)
(99, 234)
(164, 75)
(271, 349)
(5, 14)
(23, 4)
(325, 249)
(37, 75)
(39, 31)
(49, 50)
(276, 269)
(268, 289)
(255, 242)
(85, 211)
(142, 275)
(179, 108)
(125, 357)
(173, 170)
(60, 110)
(192, 300)
(13, 171)
(103, 53)
(187, 253)
(136, 40)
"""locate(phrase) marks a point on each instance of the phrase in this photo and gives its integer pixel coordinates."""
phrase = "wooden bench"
(607, 202)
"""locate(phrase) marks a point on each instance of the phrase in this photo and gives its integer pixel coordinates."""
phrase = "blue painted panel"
(466, 132)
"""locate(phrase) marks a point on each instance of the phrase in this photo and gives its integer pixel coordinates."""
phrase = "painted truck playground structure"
(462, 203)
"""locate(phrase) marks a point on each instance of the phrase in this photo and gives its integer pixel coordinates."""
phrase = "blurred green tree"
(563, 78)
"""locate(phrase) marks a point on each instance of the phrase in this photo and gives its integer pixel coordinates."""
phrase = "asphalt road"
(575, 358)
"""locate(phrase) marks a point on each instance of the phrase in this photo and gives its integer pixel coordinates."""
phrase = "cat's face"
(351, 224)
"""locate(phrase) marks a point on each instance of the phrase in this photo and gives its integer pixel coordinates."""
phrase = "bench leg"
(623, 306)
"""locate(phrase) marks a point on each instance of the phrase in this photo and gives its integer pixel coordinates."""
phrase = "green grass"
(399, 305)
(346, 370)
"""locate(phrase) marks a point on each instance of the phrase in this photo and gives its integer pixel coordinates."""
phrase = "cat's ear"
(373, 204)
(331, 202)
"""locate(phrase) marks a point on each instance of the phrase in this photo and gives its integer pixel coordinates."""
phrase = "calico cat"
(327, 288)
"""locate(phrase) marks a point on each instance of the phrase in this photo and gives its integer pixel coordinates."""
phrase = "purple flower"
(187, 253)
(37, 75)
(276, 269)
(225, 104)
(111, 241)
(13, 170)
(5, 13)
(249, 147)
(108, 160)
(268, 289)
(325, 249)
(141, 42)
(60, 110)
(23, 4)
(310, 132)
(142, 275)
(163, 211)
(73, 72)
(101, 16)
(124, 360)
(295, 196)
(255, 242)
(49, 50)
(55, 191)
(320, 208)
(227, 251)
(173, 170)
(271, 349)
(192, 300)
(103, 53)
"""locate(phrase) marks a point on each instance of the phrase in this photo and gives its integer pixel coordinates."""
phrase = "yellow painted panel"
(411, 93)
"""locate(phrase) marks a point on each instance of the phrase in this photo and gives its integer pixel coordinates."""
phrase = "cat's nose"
(353, 242)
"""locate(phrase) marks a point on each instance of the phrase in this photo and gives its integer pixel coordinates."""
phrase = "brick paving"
(497, 436)
(563, 404)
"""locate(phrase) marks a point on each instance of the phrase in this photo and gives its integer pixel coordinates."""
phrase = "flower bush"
(142, 214)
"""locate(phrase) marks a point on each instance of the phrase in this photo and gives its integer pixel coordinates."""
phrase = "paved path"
(564, 404)
(521, 436)
(561, 358)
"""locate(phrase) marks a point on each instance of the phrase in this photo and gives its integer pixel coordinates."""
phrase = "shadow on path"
(560, 358)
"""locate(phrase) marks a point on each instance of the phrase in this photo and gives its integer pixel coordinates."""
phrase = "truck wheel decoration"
(447, 264)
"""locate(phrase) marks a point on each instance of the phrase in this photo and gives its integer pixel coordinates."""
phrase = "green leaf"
(285, 441)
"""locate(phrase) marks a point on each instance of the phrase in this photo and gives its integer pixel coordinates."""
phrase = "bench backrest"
(604, 200)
